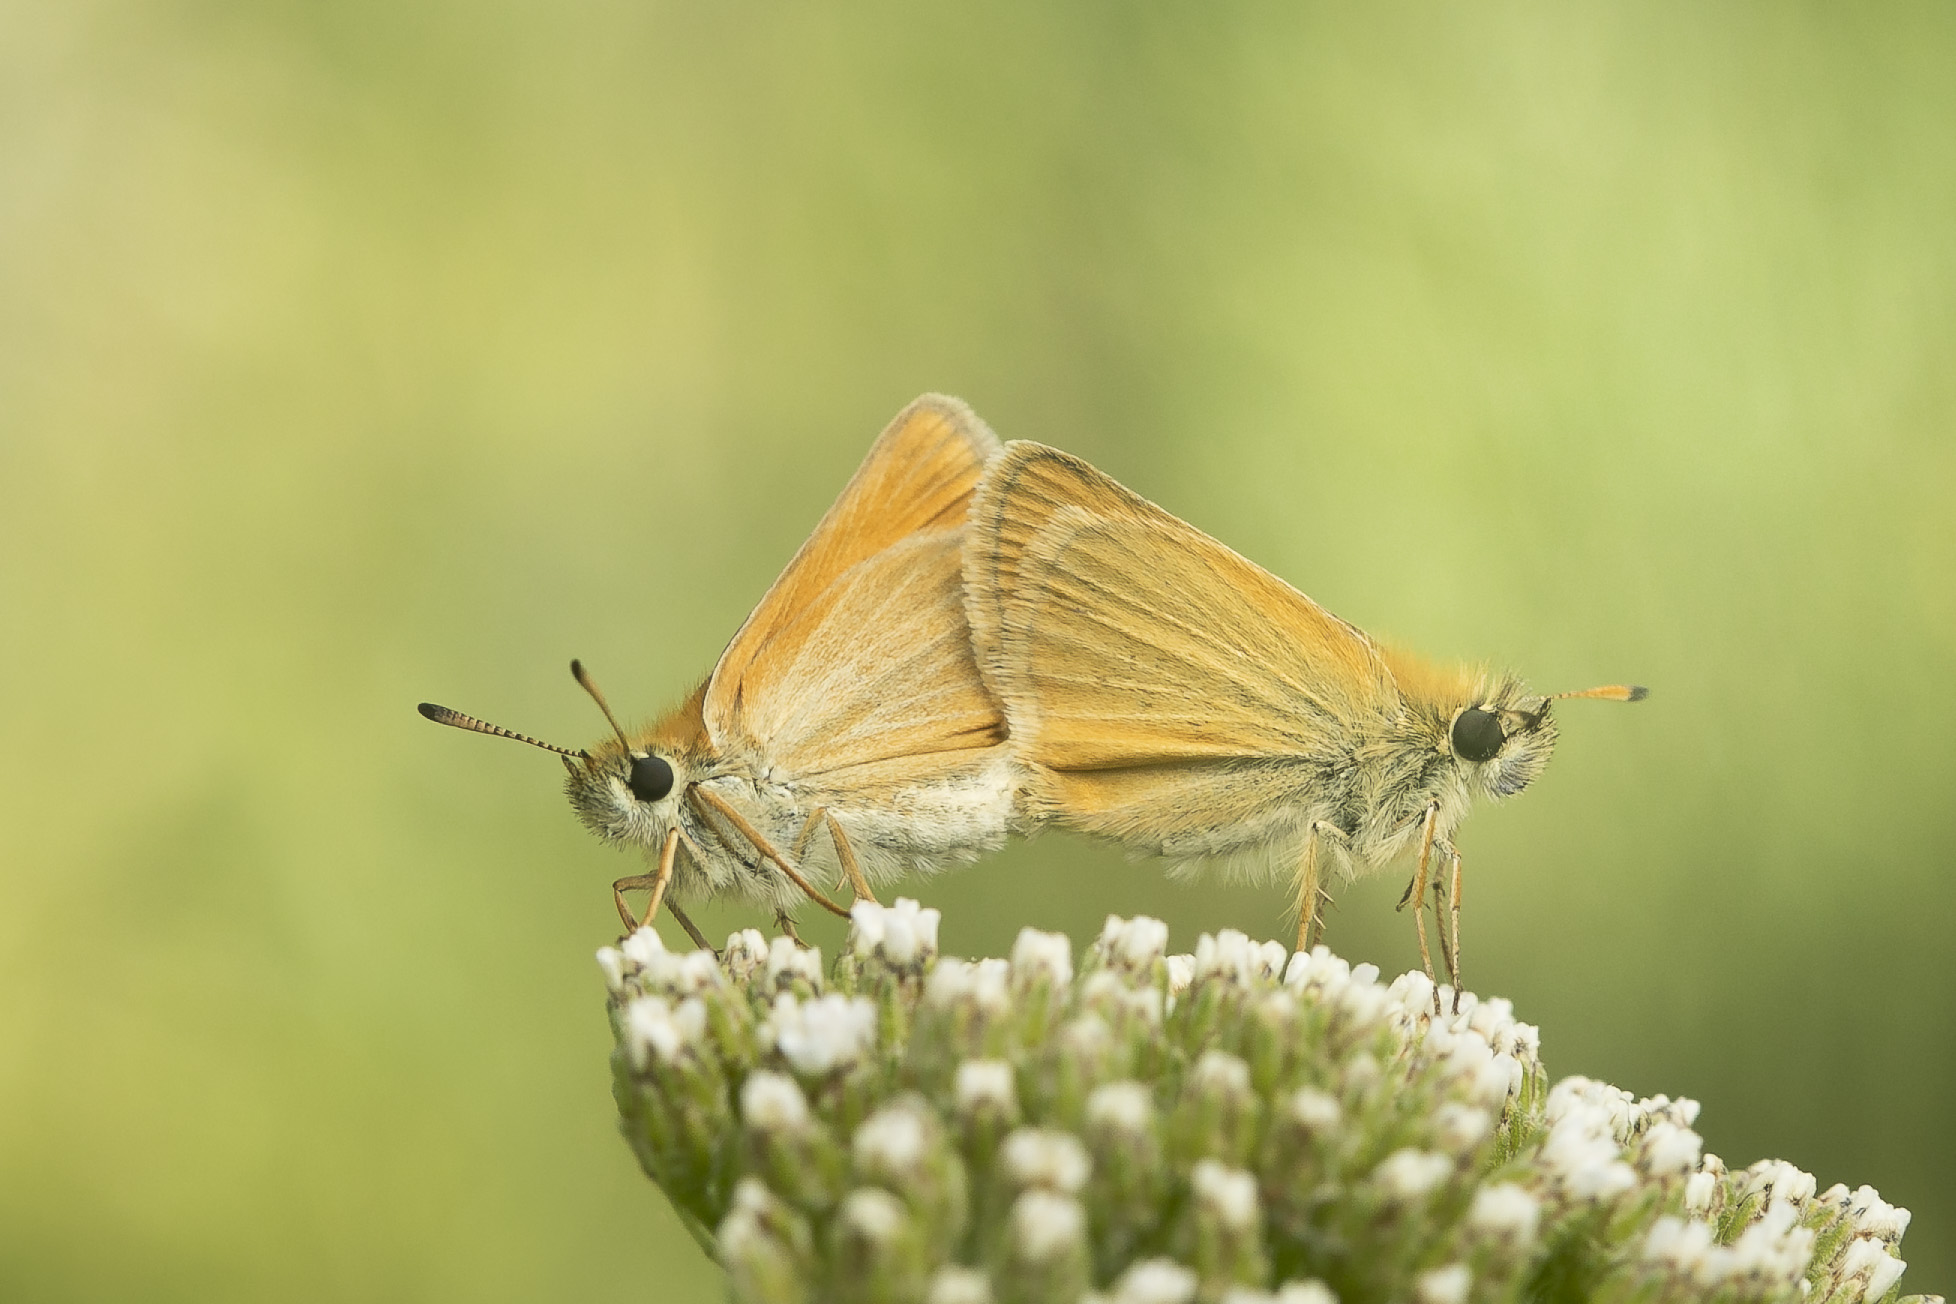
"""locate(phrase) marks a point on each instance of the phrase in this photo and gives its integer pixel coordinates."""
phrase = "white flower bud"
(1874, 1216)
(788, 960)
(699, 970)
(1087, 1036)
(1362, 1005)
(1780, 1183)
(745, 955)
(824, 1034)
(1181, 974)
(745, 1235)
(1277, 1008)
(1133, 944)
(1229, 1193)
(1581, 1151)
(1884, 1276)
(1408, 1174)
(1684, 1249)
(611, 962)
(865, 927)
(1458, 1128)
(1493, 1018)
(642, 947)
(892, 1140)
(1228, 956)
(1361, 1073)
(772, 1102)
(654, 1029)
(902, 939)
(903, 936)
(1045, 1225)
(1314, 1109)
(1219, 1073)
(1045, 1158)
(1699, 1189)
(1668, 1150)
(1155, 1281)
(1411, 993)
(1505, 1212)
(985, 1086)
(876, 1216)
(985, 986)
(1775, 1250)
(1305, 1292)
(1446, 1285)
(1116, 996)
(1038, 956)
(1120, 1106)
(959, 1285)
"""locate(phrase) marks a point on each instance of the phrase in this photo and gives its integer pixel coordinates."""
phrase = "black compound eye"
(651, 778)
(1477, 735)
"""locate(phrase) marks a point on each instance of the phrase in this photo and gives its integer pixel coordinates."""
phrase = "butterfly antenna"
(456, 720)
(1611, 693)
(584, 681)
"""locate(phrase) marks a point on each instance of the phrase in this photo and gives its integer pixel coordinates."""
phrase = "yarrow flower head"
(1229, 1126)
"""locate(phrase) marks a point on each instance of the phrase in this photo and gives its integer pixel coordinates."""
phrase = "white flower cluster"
(656, 1029)
(1232, 957)
(1776, 1249)
(642, 964)
(903, 936)
(1769, 1257)
(1292, 1129)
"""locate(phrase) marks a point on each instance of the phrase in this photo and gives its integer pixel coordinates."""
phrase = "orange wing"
(879, 671)
(1120, 638)
(820, 643)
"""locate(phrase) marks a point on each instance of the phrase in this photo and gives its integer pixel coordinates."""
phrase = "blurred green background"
(362, 353)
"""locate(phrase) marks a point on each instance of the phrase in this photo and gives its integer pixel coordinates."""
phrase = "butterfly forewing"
(919, 476)
(880, 671)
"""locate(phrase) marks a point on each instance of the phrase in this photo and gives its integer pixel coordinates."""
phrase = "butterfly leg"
(714, 801)
(1453, 913)
(631, 883)
(1440, 928)
(847, 855)
(657, 882)
(1310, 883)
(787, 927)
(852, 872)
(692, 929)
(1416, 895)
(807, 835)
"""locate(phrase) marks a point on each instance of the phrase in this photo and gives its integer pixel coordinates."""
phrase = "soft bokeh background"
(357, 354)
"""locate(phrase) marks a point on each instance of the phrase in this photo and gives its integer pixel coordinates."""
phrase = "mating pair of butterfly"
(982, 639)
